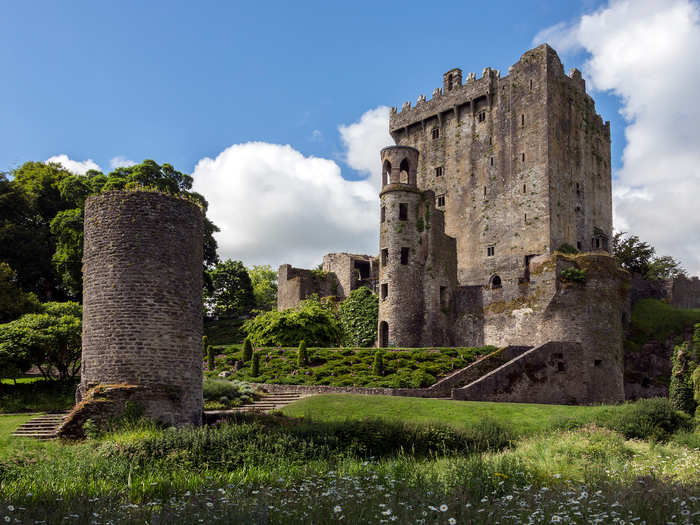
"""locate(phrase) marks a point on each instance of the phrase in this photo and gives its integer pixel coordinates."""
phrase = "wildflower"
(452, 521)
(337, 509)
(556, 519)
(557, 476)
(210, 504)
(443, 508)
(387, 512)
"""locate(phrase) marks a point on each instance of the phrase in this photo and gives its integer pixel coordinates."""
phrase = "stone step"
(41, 427)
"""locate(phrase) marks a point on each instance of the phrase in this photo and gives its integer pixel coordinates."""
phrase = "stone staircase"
(273, 401)
(41, 427)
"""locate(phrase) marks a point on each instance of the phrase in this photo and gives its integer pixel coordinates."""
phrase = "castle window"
(597, 362)
(524, 188)
(384, 291)
(491, 160)
(403, 172)
(385, 256)
(443, 297)
(383, 214)
(438, 171)
(578, 189)
(404, 255)
(490, 251)
(435, 133)
(383, 334)
(481, 117)
(561, 366)
(440, 200)
(522, 119)
(526, 217)
(386, 173)
(495, 282)
(578, 245)
(530, 84)
(403, 211)
(523, 157)
(490, 140)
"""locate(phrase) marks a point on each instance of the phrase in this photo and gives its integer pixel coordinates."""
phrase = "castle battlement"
(464, 99)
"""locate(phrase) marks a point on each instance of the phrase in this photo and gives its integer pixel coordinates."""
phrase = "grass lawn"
(521, 417)
(403, 367)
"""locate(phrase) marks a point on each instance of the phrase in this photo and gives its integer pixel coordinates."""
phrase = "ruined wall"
(551, 308)
(685, 293)
(142, 300)
(296, 284)
(553, 373)
(484, 151)
(352, 271)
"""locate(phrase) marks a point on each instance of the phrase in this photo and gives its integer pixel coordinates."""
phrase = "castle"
(491, 186)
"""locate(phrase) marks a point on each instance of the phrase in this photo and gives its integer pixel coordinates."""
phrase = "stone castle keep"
(487, 180)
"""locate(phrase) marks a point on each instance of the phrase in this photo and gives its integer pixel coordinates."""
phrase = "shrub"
(654, 418)
(359, 315)
(573, 275)
(684, 363)
(247, 350)
(567, 248)
(302, 355)
(378, 367)
(210, 358)
(255, 366)
(222, 394)
(310, 321)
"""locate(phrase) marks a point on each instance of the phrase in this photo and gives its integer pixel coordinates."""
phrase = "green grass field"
(523, 418)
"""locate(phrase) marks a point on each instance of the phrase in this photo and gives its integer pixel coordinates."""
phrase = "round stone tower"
(142, 301)
(400, 270)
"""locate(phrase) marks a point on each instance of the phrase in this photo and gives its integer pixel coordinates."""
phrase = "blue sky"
(177, 81)
(219, 88)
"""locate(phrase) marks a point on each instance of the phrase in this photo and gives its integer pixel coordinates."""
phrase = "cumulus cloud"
(645, 52)
(364, 139)
(275, 205)
(74, 166)
(120, 162)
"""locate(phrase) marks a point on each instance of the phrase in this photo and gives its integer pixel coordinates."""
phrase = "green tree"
(67, 228)
(13, 301)
(359, 315)
(637, 256)
(309, 321)
(247, 350)
(264, 281)
(255, 365)
(51, 340)
(231, 293)
(302, 355)
(378, 366)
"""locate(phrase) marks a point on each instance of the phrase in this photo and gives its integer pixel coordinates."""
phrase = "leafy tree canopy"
(264, 281)
(13, 301)
(230, 294)
(50, 339)
(637, 256)
(41, 219)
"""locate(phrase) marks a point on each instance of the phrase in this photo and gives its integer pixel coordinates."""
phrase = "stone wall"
(685, 293)
(519, 164)
(553, 373)
(142, 300)
(296, 284)
(552, 308)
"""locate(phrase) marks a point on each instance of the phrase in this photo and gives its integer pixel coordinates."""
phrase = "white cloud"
(645, 51)
(364, 139)
(274, 205)
(74, 166)
(120, 162)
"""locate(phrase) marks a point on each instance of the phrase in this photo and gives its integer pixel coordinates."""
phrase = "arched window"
(495, 282)
(383, 334)
(386, 173)
(403, 169)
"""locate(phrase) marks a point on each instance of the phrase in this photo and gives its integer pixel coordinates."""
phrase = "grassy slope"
(523, 418)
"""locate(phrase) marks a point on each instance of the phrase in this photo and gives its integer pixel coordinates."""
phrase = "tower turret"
(401, 266)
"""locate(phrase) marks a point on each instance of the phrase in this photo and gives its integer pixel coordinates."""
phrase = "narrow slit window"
(526, 217)
(438, 171)
(440, 200)
(524, 188)
(385, 256)
(490, 251)
(530, 84)
(404, 255)
(383, 213)
(523, 157)
(491, 160)
(522, 119)
(403, 211)
(385, 291)
(443, 297)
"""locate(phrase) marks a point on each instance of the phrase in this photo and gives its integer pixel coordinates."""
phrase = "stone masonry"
(142, 309)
